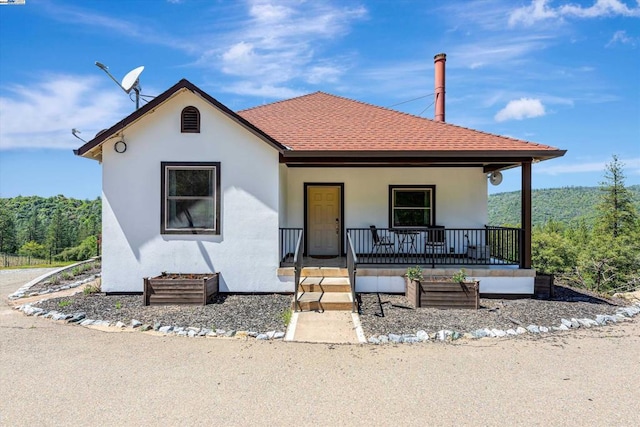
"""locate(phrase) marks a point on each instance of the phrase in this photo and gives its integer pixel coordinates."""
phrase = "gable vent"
(190, 120)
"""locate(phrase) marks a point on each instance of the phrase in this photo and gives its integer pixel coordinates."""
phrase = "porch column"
(525, 216)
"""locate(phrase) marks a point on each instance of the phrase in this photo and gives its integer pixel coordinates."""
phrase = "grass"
(286, 316)
(64, 303)
(52, 265)
(93, 288)
(118, 305)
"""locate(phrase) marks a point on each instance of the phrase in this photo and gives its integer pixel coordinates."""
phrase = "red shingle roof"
(324, 122)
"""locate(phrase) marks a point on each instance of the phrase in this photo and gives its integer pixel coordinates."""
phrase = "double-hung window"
(190, 198)
(411, 206)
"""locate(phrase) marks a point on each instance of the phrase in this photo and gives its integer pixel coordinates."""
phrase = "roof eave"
(183, 84)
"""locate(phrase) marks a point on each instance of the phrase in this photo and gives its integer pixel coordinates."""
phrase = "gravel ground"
(62, 279)
(380, 313)
(258, 313)
(386, 313)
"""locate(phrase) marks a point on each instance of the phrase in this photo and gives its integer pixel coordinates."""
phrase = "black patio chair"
(381, 244)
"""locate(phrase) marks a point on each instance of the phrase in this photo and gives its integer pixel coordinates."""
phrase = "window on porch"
(411, 206)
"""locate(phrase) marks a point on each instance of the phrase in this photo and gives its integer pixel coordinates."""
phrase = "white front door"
(324, 222)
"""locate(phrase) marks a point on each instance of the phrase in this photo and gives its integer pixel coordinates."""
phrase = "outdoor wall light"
(120, 146)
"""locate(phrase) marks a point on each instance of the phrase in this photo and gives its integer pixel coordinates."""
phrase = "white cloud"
(279, 42)
(528, 15)
(631, 166)
(621, 37)
(43, 113)
(523, 108)
(540, 10)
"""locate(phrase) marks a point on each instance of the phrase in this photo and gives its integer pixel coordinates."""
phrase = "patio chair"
(435, 242)
(381, 243)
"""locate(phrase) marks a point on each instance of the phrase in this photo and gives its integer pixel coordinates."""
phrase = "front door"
(324, 220)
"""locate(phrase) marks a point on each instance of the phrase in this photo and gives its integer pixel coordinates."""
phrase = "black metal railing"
(437, 245)
(288, 239)
(504, 243)
(297, 262)
(352, 268)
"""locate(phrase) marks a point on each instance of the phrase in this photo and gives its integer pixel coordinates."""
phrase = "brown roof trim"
(182, 84)
(448, 155)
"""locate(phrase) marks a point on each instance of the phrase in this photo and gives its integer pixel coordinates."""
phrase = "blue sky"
(562, 73)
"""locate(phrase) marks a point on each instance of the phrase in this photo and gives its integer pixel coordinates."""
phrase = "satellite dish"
(131, 79)
(129, 82)
(495, 178)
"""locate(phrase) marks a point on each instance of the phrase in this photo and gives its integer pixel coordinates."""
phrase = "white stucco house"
(190, 186)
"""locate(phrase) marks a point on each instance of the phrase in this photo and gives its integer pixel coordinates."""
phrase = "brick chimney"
(438, 62)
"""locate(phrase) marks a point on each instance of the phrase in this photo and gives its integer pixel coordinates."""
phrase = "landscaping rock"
(394, 338)
(146, 327)
(135, 323)
(262, 337)
(520, 330)
(120, 324)
(480, 333)
(544, 329)
(278, 335)
(422, 335)
(534, 329)
(165, 329)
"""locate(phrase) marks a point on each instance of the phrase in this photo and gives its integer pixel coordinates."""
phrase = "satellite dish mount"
(130, 82)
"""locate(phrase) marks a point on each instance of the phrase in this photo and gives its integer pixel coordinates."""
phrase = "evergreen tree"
(611, 259)
(616, 212)
(8, 239)
(58, 232)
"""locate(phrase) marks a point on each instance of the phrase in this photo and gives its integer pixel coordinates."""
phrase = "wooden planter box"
(194, 289)
(543, 286)
(443, 293)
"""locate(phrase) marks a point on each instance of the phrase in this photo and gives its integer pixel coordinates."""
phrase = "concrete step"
(325, 272)
(325, 284)
(325, 301)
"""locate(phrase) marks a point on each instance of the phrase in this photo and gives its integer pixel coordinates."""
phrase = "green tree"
(616, 212)
(8, 239)
(34, 231)
(611, 258)
(33, 249)
(552, 252)
(58, 232)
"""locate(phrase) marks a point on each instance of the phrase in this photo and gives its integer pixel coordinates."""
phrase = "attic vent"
(190, 120)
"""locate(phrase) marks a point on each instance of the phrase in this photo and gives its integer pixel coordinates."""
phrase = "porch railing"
(437, 246)
(297, 262)
(289, 238)
(352, 268)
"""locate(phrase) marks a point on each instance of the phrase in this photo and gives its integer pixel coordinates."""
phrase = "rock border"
(80, 318)
(446, 335)
(23, 291)
(421, 336)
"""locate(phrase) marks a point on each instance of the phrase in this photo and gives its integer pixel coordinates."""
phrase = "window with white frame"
(190, 198)
(411, 206)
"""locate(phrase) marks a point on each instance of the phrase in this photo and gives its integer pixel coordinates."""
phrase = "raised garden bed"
(174, 288)
(443, 293)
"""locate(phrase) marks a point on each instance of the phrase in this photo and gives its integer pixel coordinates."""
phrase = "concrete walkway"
(332, 327)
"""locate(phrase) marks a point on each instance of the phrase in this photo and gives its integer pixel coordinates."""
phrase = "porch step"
(325, 284)
(324, 293)
(324, 272)
(325, 301)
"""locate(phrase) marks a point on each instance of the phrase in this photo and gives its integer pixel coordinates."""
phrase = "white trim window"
(190, 198)
(411, 206)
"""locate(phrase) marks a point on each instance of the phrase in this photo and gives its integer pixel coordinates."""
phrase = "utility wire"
(426, 108)
(411, 100)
